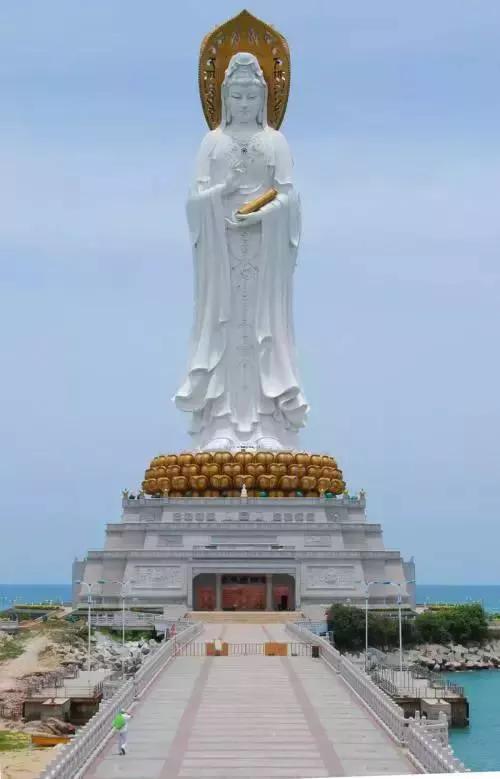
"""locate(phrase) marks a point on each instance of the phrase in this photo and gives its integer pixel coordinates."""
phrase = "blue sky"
(393, 120)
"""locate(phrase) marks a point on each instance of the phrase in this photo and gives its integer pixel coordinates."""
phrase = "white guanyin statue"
(242, 385)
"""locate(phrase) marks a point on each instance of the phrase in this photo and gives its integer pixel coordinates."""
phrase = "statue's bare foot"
(219, 443)
(269, 443)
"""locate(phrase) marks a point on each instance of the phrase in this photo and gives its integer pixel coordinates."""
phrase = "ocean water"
(33, 593)
(487, 594)
(478, 745)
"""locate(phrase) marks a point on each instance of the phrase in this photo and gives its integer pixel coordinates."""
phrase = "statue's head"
(244, 91)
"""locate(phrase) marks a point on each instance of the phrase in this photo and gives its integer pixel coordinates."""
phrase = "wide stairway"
(245, 617)
(245, 717)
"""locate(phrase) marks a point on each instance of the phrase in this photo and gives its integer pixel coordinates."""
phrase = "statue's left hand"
(244, 220)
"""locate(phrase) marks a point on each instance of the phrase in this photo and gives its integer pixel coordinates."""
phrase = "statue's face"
(244, 102)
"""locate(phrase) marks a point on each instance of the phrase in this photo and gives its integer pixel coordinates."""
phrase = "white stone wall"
(327, 546)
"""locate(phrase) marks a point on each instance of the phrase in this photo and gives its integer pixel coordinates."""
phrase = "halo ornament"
(244, 32)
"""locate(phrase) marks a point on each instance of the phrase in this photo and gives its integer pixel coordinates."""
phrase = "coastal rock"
(59, 727)
(37, 726)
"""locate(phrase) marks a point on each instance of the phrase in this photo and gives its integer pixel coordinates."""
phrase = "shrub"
(461, 624)
(348, 624)
(431, 628)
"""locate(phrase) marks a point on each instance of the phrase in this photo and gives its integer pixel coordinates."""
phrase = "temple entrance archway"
(204, 592)
(283, 585)
(244, 592)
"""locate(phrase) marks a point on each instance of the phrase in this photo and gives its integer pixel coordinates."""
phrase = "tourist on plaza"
(120, 723)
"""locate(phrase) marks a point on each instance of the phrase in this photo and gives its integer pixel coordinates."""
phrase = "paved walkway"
(250, 716)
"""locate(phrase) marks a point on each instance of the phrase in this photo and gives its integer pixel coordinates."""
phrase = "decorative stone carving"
(169, 540)
(158, 577)
(328, 577)
(317, 541)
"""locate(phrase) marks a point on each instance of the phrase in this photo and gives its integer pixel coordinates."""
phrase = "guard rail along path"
(427, 743)
(72, 758)
(132, 619)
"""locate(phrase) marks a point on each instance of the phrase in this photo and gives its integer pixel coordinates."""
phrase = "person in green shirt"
(120, 724)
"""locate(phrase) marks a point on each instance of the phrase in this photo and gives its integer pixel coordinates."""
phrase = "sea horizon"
(486, 594)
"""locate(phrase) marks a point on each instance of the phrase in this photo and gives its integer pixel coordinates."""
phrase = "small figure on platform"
(120, 723)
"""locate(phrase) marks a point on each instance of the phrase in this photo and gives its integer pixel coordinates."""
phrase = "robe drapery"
(244, 289)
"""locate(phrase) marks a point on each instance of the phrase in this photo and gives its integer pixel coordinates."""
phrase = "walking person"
(120, 723)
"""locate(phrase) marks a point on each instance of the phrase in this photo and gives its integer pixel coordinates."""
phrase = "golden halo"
(244, 33)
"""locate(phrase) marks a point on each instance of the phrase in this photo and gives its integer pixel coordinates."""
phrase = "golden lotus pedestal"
(260, 474)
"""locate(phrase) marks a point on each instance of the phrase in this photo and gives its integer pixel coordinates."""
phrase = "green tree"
(348, 624)
(432, 628)
(461, 624)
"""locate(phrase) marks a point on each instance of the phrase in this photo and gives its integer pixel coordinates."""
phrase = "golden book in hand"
(258, 202)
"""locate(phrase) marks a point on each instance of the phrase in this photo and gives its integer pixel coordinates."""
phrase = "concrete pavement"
(250, 716)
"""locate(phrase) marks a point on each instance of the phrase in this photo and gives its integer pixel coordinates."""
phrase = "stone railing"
(188, 554)
(72, 758)
(139, 619)
(163, 500)
(9, 624)
(318, 627)
(407, 682)
(427, 743)
(115, 619)
(426, 747)
(437, 728)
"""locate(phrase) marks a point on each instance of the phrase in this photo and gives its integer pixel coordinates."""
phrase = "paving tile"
(251, 773)
(375, 767)
(126, 767)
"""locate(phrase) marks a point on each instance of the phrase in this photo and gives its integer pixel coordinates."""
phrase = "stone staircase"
(245, 617)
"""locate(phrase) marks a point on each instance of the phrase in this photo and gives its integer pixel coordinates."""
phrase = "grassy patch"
(13, 647)
(11, 739)
(130, 635)
(68, 633)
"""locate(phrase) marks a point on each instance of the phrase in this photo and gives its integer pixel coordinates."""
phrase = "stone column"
(269, 592)
(297, 587)
(189, 586)
(218, 592)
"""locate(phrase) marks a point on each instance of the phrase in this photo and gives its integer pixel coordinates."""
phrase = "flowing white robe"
(242, 381)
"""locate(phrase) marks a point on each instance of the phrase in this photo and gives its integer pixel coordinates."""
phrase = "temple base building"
(248, 553)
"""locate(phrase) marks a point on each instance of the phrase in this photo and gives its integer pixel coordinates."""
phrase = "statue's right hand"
(232, 182)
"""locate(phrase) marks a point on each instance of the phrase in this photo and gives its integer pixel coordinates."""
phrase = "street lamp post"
(400, 598)
(398, 585)
(400, 620)
(367, 597)
(89, 586)
(400, 631)
(124, 583)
